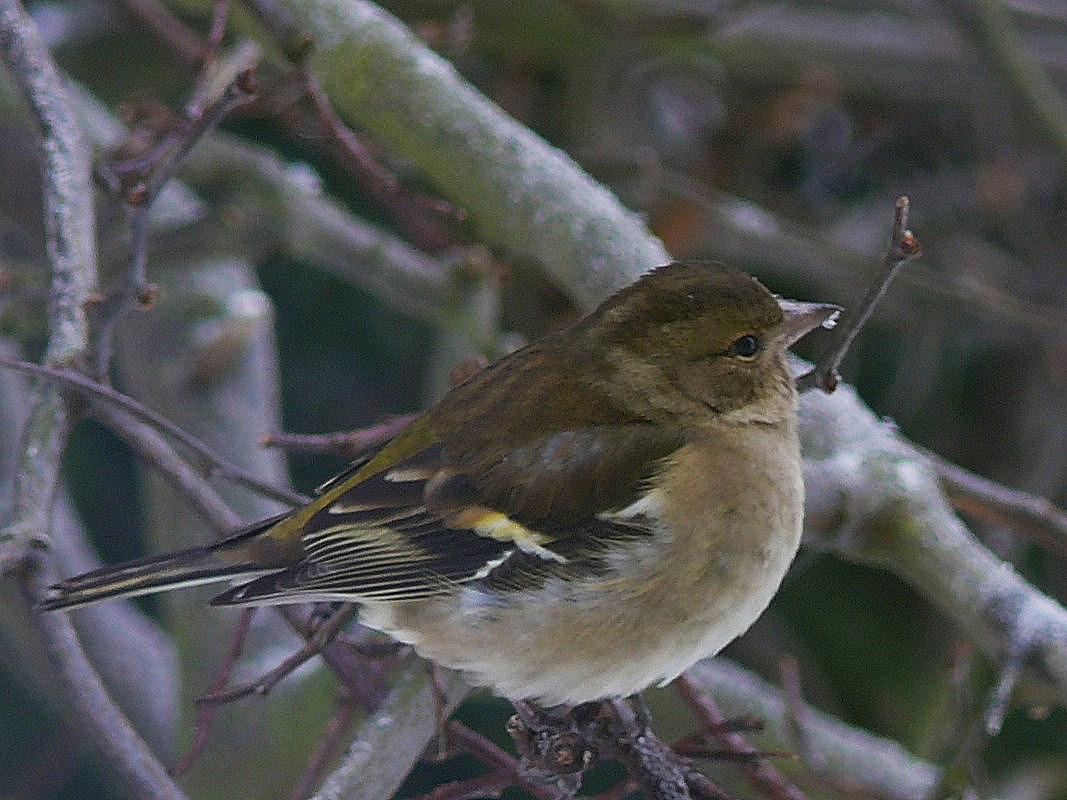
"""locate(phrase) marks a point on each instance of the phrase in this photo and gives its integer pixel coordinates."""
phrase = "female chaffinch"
(585, 517)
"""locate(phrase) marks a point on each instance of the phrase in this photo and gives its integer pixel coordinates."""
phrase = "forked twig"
(761, 774)
(263, 684)
(138, 180)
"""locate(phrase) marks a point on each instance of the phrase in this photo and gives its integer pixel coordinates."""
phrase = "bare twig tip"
(246, 81)
(909, 244)
(137, 195)
(903, 247)
(299, 48)
(147, 296)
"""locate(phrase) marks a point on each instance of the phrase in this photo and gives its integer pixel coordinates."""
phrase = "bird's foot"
(556, 748)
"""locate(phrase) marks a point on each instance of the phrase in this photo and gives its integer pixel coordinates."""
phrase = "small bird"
(583, 518)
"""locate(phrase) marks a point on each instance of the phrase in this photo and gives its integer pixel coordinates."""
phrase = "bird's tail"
(230, 559)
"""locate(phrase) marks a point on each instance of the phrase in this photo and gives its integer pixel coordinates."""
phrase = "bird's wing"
(413, 521)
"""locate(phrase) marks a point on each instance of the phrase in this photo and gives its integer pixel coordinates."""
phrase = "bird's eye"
(746, 346)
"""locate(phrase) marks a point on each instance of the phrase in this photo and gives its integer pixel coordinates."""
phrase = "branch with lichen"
(870, 497)
(65, 159)
(873, 498)
(522, 194)
(416, 104)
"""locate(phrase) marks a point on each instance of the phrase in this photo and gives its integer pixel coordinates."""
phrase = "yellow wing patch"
(495, 525)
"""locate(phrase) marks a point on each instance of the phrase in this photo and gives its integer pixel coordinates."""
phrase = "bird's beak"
(802, 318)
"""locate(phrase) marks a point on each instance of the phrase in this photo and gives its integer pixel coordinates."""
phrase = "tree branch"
(314, 227)
(69, 242)
(402, 727)
(521, 193)
(980, 498)
(376, 72)
(131, 653)
(903, 246)
(147, 442)
(835, 752)
(107, 401)
(872, 498)
(69, 232)
(111, 731)
(140, 178)
(761, 773)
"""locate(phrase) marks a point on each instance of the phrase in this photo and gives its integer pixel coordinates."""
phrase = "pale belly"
(663, 605)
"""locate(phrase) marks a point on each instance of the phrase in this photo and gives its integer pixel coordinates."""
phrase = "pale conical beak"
(802, 318)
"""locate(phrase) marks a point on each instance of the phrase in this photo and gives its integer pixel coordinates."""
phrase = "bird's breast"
(728, 512)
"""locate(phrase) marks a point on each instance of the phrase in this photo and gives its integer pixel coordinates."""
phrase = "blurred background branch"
(372, 219)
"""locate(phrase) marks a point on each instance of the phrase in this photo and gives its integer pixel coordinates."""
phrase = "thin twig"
(295, 40)
(139, 180)
(346, 443)
(1000, 696)
(489, 753)
(353, 153)
(182, 39)
(423, 218)
(156, 452)
(980, 297)
(140, 177)
(265, 683)
(903, 247)
(406, 207)
(797, 712)
(326, 749)
(219, 17)
(981, 498)
(426, 220)
(206, 714)
(361, 677)
(211, 463)
(967, 735)
(492, 784)
(761, 774)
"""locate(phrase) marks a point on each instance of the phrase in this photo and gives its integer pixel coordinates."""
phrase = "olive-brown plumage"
(584, 517)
